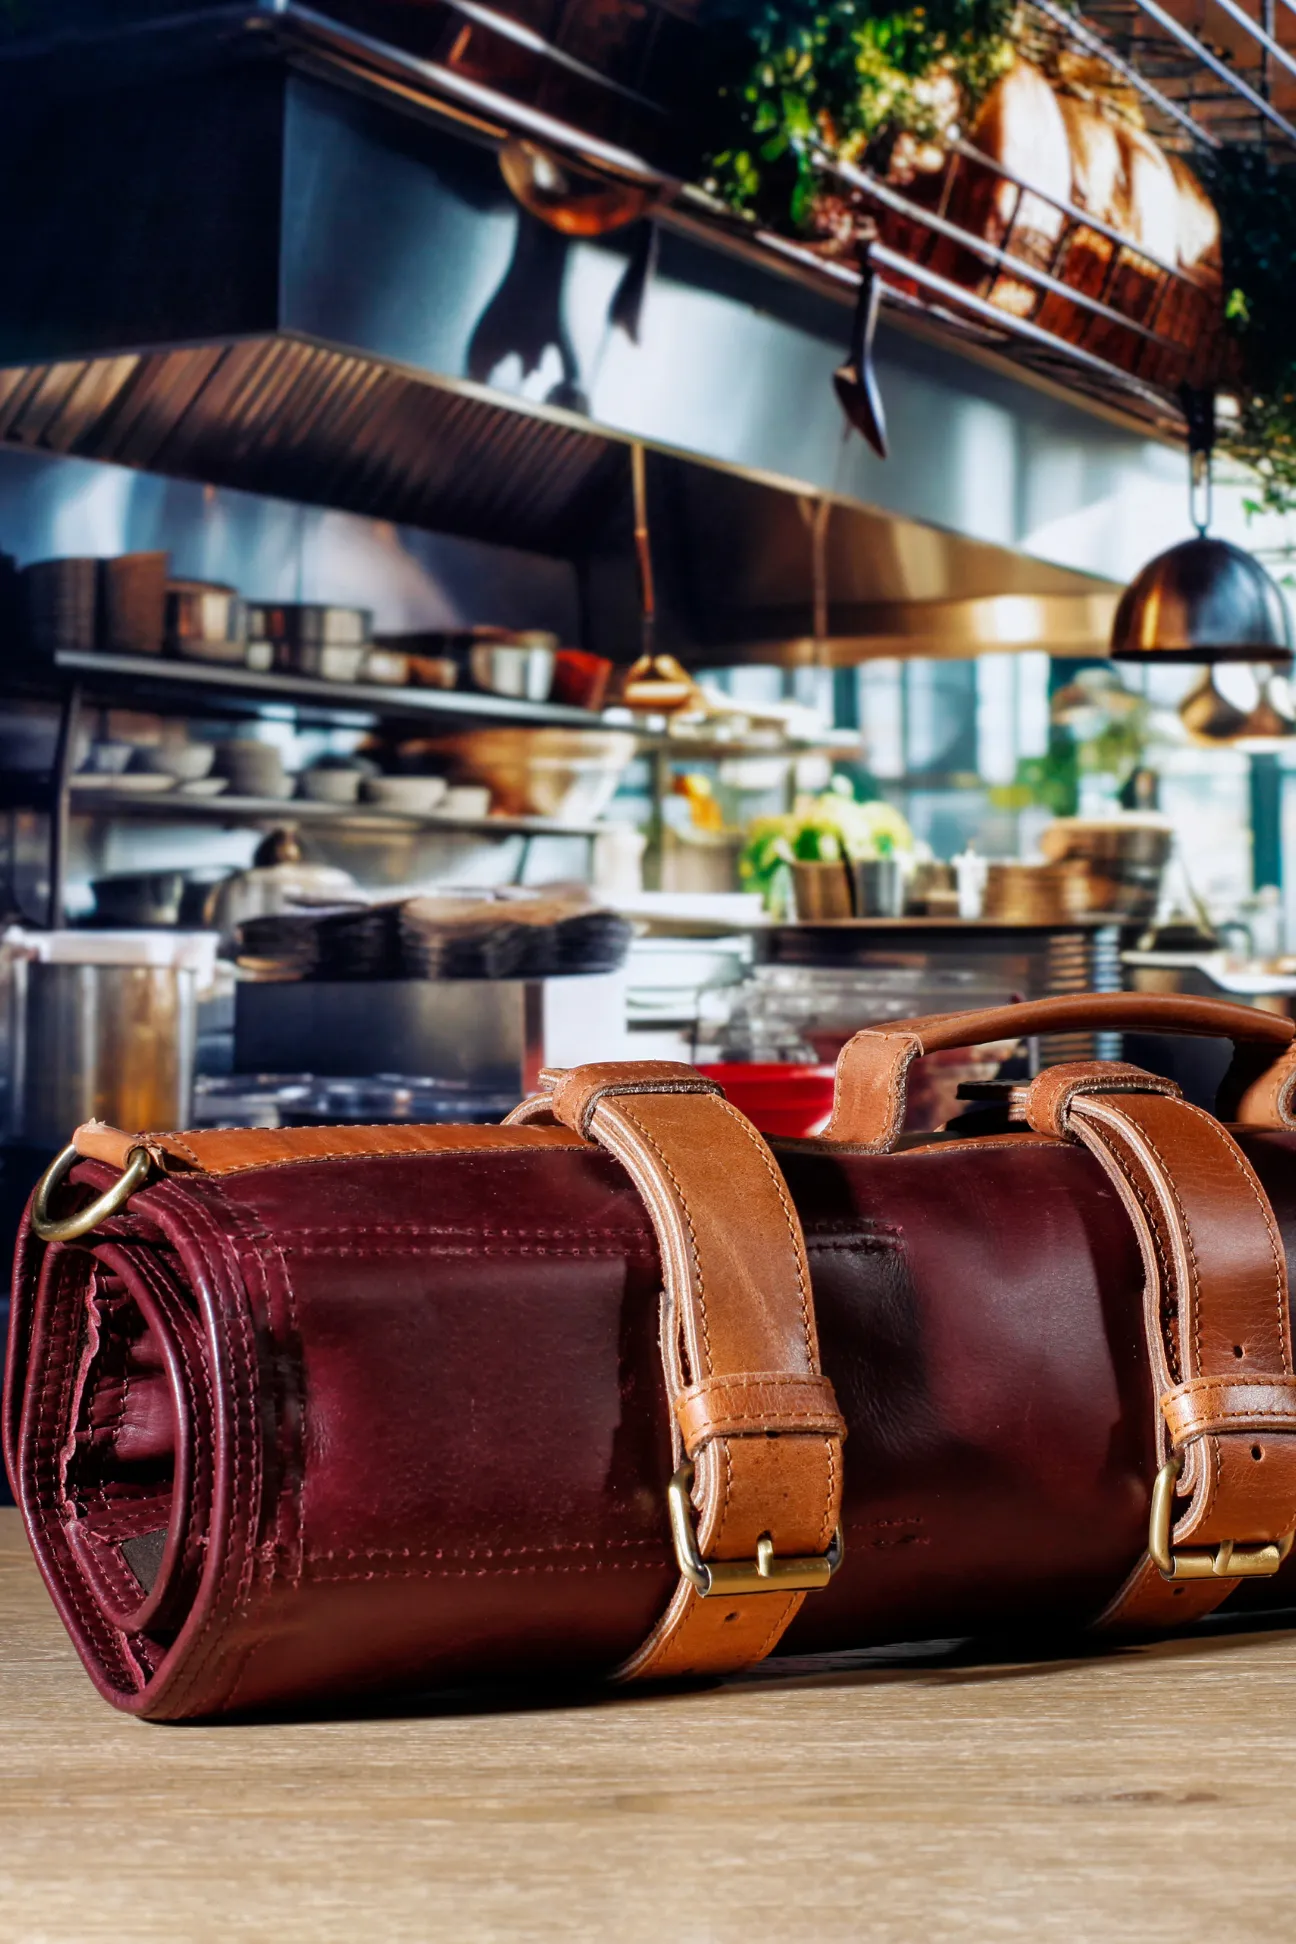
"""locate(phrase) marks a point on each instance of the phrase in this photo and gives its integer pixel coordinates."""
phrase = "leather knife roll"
(319, 1428)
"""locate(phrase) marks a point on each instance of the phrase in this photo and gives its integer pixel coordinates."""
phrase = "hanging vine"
(851, 75)
(1256, 200)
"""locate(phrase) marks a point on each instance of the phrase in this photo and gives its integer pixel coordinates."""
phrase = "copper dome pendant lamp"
(1204, 600)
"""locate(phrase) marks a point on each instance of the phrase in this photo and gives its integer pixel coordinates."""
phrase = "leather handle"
(873, 1067)
(1216, 1319)
(751, 1410)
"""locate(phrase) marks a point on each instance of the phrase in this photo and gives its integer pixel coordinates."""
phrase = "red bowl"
(792, 1100)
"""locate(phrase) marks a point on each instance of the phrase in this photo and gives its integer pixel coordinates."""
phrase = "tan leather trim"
(1229, 1404)
(756, 1406)
(1051, 1095)
(1215, 1319)
(1266, 1101)
(738, 1333)
(873, 1067)
(234, 1150)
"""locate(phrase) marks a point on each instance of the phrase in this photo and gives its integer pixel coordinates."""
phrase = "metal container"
(206, 621)
(104, 1042)
(822, 892)
(879, 886)
(522, 669)
(492, 1034)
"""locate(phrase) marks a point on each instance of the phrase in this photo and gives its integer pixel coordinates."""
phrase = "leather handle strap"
(873, 1067)
(1217, 1325)
(750, 1407)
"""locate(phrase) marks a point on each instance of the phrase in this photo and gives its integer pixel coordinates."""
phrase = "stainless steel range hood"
(262, 258)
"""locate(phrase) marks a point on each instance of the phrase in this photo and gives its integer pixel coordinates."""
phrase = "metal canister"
(104, 1042)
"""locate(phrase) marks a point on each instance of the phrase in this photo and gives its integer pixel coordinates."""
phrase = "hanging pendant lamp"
(1204, 600)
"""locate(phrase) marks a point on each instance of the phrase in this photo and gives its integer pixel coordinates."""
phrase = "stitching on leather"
(825, 1530)
(699, 1284)
(59, 1370)
(1153, 1214)
(593, 1253)
(220, 1173)
(787, 1614)
(484, 1552)
(509, 1572)
(206, 1642)
(794, 1226)
(1279, 1260)
(470, 1231)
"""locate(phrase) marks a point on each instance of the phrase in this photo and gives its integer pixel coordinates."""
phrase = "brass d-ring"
(139, 1165)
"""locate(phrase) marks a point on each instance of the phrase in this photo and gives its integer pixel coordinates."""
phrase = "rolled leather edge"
(998, 1416)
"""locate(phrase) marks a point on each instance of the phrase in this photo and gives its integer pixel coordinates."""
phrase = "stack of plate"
(61, 602)
(1037, 894)
(326, 942)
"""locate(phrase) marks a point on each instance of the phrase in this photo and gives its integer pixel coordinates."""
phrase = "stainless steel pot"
(104, 1042)
(521, 669)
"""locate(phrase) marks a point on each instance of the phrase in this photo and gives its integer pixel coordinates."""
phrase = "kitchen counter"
(1141, 1796)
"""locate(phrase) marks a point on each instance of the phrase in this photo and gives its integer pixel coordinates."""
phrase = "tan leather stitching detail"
(698, 1279)
(1262, 1200)
(1210, 1405)
(794, 1230)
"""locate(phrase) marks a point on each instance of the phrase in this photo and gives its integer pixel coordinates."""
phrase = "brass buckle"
(139, 1165)
(1228, 1560)
(764, 1574)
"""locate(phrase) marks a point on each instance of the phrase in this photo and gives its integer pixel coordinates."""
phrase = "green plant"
(846, 74)
(828, 829)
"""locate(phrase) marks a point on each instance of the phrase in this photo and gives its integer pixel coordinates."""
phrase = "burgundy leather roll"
(326, 1427)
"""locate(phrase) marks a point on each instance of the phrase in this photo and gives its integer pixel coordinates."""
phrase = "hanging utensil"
(1267, 722)
(1210, 717)
(626, 312)
(855, 381)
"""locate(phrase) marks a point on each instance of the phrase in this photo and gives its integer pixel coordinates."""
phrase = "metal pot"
(105, 1042)
(521, 669)
(138, 898)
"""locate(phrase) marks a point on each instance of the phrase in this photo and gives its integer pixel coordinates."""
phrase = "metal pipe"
(1094, 43)
(349, 42)
(1003, 322)
(522, 36)
(1262, 34)
(1073, 210)
(61, 802)
(1168, 23)
(1004, 259)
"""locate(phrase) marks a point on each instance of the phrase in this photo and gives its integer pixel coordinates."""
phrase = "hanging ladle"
(855, 381)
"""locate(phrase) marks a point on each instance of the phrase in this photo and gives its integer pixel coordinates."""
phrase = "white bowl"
(187, 762)
(330, 785)
(466, 800)
(414, 796)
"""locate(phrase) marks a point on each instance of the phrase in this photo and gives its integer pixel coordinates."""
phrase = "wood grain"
(1148, 1794)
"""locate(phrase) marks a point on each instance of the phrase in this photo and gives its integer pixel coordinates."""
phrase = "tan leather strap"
(1216, 1319)
(873, 1067)
(233, 1150)
(750, 1406)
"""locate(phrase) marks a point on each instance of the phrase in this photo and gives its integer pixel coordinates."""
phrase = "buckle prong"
(767, 1573)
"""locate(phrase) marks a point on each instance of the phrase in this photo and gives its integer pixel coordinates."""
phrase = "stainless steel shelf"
(207, 683)
(235, 810)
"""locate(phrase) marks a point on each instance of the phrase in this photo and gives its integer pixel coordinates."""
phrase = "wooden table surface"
(1149, 1794)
